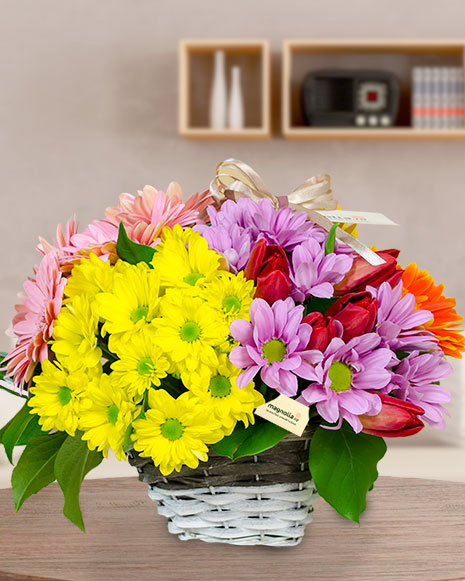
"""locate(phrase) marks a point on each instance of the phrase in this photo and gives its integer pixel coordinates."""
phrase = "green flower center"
(190, 331)
(139, 313)
(231, 304)
(193, 277)
(340, 375)
(145, 366)
(64, 395)
(274, 350)
(172, 429)
(220, 386)
(112, 413)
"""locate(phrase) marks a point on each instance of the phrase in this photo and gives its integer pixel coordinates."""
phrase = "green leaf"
(73, 461)
(229, 444)
(130, 251)
(33, 429)
(35, 468)
(128, 444)
(331, 239)
(4, 429)
(20, 430)
(318, 305)
(261, 436)
(343, 467)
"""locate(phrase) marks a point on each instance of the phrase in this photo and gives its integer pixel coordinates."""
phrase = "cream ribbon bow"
(235, 179)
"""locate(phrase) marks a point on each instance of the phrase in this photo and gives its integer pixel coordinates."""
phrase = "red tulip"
(363, 273)
(324, 329)
(397, 418)
(357, 313)
(268, 267)
(273, 286)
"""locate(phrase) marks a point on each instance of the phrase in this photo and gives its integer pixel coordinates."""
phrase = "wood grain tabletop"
(413, 529)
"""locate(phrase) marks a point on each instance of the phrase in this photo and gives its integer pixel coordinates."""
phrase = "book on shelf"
(437, 98)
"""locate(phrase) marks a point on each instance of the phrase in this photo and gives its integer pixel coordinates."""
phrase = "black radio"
(359, 98)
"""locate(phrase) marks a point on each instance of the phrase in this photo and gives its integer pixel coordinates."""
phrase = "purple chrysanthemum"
(414, 381)
(342, 378)
(315, 273)
(238, 225)
(273, 342)
(283, 227)
(398, 322)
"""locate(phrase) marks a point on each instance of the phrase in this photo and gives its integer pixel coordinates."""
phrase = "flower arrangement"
(164, 326)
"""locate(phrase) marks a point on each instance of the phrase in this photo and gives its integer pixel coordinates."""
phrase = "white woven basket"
(274, 515)
(265, 499)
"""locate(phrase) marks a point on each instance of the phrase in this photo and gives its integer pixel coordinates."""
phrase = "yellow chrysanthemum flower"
(189, 330)
(131, 305)
(57, 395)
(175, 431)
(184, 260)
(75, 332)
(231, 295)
(218, 392)
(176, 233)
(91, 276)
(141, 364)
(107, 414)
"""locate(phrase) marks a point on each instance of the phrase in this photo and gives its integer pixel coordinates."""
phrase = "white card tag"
(286, 413)
(348, 217)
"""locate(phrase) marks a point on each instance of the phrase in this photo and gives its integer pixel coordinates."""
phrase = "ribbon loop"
(235, 179)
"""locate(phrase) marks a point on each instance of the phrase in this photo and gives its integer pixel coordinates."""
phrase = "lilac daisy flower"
(230, 233)
(342, 378)
(315, 273)
(398, 322)
(274, 342)
(414, 381)
(232, 242)
(283, 227)
(238, 225)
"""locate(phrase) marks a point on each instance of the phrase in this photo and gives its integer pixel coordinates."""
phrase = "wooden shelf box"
(195, 81)
(394, 56)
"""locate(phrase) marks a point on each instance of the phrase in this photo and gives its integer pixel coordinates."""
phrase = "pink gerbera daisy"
(145, 215)
(33, 324)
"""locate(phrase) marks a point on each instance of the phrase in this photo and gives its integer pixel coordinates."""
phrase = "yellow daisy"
(132, 303)
(218, 392)
(107, 414)
(75, 332)
(57, 396)
(231, 295)
(185, 261)
(141, 364)
(189, 330)
(91, 276)
(175, 431)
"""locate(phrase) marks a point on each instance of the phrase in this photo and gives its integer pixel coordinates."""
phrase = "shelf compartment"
(395, 56)
(195, 80)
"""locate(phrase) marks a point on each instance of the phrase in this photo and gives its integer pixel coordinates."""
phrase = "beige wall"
(88, 110)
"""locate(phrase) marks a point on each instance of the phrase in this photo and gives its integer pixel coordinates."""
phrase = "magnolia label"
(348, 217)
(286, 413)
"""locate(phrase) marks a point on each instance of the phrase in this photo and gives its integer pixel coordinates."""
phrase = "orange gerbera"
(429, 296)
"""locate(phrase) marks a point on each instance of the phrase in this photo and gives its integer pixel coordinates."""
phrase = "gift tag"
(348, 217)
(286, 413)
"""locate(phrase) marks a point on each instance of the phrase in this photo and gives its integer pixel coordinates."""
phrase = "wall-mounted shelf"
(395, 56)
(299, 57)
(195, 81)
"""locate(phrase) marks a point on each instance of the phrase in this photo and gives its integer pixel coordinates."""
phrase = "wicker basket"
(265, 499)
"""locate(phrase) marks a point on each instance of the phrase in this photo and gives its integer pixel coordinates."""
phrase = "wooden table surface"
(413, 529)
